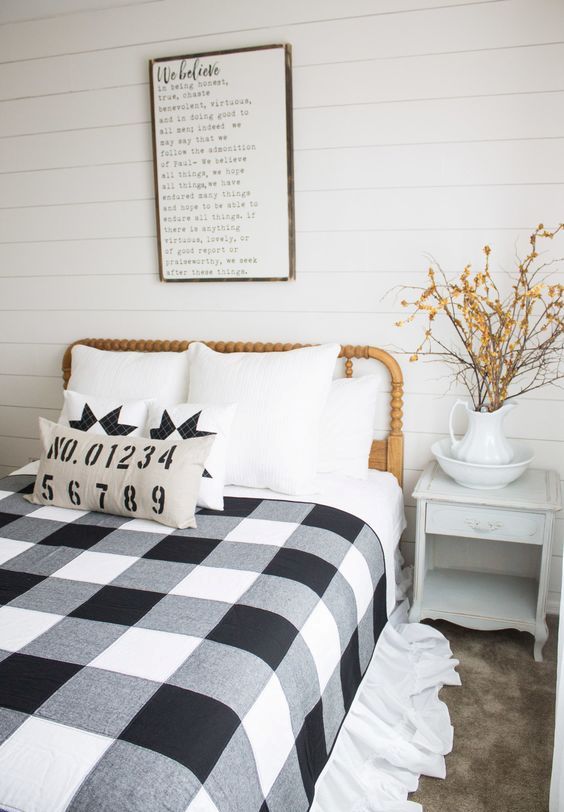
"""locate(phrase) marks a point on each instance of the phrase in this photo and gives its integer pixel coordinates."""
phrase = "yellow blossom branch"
(519, 338)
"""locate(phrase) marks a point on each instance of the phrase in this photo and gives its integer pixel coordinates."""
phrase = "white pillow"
(280, 397)
(347, 426)
(104, 416)
(189, 420)
(130, 375)
(157, 481)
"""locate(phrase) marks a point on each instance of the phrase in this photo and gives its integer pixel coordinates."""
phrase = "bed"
(131, 679)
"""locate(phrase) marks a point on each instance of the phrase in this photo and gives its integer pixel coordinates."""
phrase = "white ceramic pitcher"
(484, 442)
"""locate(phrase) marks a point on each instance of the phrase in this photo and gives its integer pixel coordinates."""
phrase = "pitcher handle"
(453, 439)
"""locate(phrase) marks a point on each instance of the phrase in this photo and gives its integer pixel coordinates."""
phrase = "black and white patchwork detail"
(188, 420)
(166, 428)
(206, 669)
(109, 423)
(186, 430)
(100, 416)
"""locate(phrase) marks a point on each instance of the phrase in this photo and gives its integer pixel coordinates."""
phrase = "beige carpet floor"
(503, 717)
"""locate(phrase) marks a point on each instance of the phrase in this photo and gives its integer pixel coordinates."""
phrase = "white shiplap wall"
(421, 126)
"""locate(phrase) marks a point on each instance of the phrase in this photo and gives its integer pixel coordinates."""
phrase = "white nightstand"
(482, 557)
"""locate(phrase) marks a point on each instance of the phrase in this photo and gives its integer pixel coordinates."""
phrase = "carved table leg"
(541, 636)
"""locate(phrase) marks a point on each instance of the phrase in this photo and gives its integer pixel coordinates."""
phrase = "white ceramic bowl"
(481, 477)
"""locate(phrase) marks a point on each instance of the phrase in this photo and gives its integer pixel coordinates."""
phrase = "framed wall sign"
(222, 146)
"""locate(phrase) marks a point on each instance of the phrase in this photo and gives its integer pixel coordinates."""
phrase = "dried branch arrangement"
(507, 344)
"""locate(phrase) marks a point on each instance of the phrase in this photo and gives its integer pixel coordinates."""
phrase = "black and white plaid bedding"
(146, 669)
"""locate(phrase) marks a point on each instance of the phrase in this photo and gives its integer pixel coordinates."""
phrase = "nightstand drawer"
(485, 523)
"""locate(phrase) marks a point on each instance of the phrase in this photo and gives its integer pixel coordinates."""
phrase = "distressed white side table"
(471, 594)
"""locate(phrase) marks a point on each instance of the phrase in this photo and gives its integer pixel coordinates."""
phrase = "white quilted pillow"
(130, 375)
(280, 398)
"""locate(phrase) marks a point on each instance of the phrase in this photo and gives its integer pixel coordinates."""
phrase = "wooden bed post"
(395, 438)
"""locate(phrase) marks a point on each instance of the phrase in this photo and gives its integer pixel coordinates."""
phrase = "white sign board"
(222, 142)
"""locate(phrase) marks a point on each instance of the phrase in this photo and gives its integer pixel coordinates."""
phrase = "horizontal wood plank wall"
(421, 127)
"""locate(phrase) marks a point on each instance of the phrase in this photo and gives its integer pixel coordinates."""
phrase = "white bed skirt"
(397, 727)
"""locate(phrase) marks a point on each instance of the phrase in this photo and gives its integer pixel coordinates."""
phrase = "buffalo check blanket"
(144, 668)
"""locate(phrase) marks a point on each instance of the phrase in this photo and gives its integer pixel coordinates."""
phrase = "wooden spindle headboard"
(385, 455)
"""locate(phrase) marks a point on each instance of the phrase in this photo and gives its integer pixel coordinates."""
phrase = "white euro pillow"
(280, 397)
(347, 426)
(130, 375)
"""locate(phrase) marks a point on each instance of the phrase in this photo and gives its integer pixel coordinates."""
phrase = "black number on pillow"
(103, 491)
(47, 489)
(123, 463)
(93, 454)
(166, 458)
(73, 492)
(129, 498)
(111, 455)
(149, 451)
(158, 499)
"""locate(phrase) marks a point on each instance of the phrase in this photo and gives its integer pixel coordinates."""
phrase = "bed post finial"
(348, 352)
(396, 411)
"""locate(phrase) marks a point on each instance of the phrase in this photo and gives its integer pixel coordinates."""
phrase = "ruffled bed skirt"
(397, 728)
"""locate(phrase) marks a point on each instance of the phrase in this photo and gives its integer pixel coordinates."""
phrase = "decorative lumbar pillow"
(140, 478)
(280, 398)
(347, 426)
(103, 416)
(130, 375)
(189, 420)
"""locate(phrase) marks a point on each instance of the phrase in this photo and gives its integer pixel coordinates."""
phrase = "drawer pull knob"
(483, 527)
